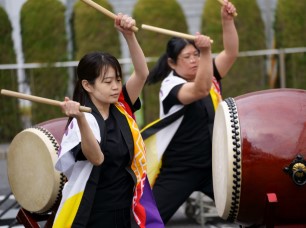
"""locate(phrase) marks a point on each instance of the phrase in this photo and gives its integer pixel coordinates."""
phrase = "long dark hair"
(161, 69)
(89, 68)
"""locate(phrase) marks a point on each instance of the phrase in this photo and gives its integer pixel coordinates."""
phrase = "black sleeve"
(172, 99)
(77, 153)
(216, 72)
(137, 104)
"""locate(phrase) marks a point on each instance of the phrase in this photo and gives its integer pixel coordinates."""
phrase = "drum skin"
(270, 134)
(32, 154)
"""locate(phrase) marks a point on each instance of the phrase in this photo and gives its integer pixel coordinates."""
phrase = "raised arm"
(135, 83)
(200, 86)
(227, 57)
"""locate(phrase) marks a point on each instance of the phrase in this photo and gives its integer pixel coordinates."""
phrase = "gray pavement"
(182, 218)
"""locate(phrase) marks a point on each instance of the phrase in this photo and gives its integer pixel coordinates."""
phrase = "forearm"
(204, 74)
(230, 37)
(137, 57)
(89, 144)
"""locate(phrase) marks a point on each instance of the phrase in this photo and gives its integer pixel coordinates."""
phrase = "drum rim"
(234, 154)
(62, 178)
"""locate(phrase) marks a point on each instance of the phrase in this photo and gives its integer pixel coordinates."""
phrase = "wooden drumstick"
(169, 32)
(105, 11)
(38, 99)
(223, 3)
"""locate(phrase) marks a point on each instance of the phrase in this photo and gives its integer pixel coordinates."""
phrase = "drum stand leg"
(31, 220)
(271, 203)
(27, 219)
(50, 220)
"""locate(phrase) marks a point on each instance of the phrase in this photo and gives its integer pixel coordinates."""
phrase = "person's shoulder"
(73, 125)
(91, 119)
(172, 79)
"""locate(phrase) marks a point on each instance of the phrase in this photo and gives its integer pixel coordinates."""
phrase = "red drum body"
(259, 147)
(32, 154)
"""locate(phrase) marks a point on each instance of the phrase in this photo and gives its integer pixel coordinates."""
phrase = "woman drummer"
(191, 80)
(98, 150)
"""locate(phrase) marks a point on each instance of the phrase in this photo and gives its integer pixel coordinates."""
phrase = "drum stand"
(31, 220)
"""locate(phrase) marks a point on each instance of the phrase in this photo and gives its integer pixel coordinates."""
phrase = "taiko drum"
(32, 154)
(259, 148)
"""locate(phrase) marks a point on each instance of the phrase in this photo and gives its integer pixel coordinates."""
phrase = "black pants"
(174, 185)
(120, 218)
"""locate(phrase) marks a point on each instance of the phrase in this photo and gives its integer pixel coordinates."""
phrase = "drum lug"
(297, 170)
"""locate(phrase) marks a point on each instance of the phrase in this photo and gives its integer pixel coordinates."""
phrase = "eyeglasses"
(189, 57)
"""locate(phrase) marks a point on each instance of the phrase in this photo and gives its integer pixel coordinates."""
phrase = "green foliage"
(94, 31)
(44, 41)
(43, 31)
(10, 121)
(165, 14)
(290, 27)
(245, 75)
(7, 54)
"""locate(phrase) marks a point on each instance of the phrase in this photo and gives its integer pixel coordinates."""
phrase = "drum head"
(34, 182)
(225, 156)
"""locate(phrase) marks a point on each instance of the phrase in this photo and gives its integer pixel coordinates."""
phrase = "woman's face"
(187, 63)
(106, 89)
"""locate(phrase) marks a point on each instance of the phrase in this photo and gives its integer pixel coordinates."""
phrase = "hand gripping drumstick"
(105, 11)
(223, 3)
(38, 99)
(169, 32)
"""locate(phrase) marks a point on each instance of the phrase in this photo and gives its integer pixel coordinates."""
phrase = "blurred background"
(42, 41)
